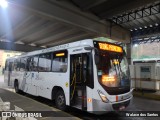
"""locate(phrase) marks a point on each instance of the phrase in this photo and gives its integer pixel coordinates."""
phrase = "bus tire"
(16, 86)
(60, 100)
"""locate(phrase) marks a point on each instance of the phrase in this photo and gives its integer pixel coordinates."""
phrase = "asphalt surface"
(138, 106)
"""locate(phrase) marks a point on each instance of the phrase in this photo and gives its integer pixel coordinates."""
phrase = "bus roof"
(86, 42)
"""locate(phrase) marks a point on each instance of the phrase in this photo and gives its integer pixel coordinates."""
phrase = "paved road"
(143, 104)
(138, 104)
(38, 103)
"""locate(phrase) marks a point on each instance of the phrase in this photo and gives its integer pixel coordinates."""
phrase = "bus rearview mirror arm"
(96, 56)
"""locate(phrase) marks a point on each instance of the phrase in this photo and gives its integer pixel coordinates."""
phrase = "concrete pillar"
(128, 50)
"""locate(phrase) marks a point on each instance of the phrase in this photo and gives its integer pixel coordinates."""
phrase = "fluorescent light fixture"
(135, 28)
(32, 44)
(3, 3)
(153, 37)
(146, 38)
(151, 25)
(156, 24)
(19, 42)
(43, 46)
(140, 27)
(4, 40)
(135, 45)
(145, 26)
(131, 30)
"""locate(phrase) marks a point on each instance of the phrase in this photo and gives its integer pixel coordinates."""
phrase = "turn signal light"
(89, 100)
(116, 98)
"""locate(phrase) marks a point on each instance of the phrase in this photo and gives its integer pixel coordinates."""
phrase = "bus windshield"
(113, 70)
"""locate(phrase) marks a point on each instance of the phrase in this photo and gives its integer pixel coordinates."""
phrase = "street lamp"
(3, 3)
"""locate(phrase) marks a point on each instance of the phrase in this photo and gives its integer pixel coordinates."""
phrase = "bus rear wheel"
(60, 100)
(16, 86)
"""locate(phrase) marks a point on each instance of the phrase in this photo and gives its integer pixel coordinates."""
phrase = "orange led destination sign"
(110, 47)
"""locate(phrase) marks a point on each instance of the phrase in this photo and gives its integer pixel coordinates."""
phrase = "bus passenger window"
(59, 63)
(16, 64)
(28, 65)
(44, 63)
(34, 63)
(22, 64)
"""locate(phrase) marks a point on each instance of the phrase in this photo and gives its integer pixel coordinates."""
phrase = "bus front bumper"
(100, 107)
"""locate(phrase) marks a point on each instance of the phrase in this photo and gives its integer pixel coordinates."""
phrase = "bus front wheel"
(60, 100)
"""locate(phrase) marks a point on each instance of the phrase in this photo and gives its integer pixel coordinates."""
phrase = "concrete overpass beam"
(17, 47)
(64, 13)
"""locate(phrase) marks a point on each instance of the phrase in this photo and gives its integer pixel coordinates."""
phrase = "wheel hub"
(60, 100)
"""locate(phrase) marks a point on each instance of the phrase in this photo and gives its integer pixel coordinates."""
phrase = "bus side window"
(28, 66)
(59, 64)
(44, 64)
(60, 61)
(16, 65)
(34, 64)
(22, 64)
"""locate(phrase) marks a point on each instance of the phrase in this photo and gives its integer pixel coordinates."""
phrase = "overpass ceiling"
(46, 23)
(22, 27)
(141, 17)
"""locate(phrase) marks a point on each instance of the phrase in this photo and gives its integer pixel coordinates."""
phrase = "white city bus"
(88, 75)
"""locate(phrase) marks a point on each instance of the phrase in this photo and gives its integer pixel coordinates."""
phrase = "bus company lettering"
(56, 48)
(77, 50)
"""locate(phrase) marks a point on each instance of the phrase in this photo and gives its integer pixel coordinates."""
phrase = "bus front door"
(77, 81)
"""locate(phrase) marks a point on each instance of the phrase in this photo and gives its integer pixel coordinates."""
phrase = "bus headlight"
(102, 96)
